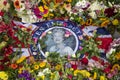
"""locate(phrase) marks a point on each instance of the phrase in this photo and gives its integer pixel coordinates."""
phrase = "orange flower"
(13, 66)
(58, 1)
(17, 4)
(105, 23)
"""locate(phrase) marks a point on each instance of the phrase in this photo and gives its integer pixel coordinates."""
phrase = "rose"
(84, 61)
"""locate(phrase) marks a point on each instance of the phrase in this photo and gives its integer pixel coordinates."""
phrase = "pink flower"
(35, 40)
(37, 12)
(64, 24)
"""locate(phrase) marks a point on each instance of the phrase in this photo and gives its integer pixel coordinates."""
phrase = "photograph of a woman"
(60, 46)
(56, 41)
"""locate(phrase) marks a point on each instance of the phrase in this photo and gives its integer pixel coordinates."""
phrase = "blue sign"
(59, 36)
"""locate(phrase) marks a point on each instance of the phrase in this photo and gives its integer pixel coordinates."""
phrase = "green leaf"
(57, 76)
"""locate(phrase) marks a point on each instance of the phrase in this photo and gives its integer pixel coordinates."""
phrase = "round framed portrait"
(58, 36)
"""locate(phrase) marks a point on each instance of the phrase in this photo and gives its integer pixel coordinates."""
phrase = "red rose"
(74, 66)
(84, 61)
(1, 13)
(95, 58)
(60, 73)
(1, 67)
(8, 51)
(107, 70)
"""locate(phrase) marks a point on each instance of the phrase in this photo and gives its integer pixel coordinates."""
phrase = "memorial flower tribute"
(96, 59)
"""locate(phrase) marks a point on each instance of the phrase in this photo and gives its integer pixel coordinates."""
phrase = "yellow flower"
(71, 69)
(89, 22)
(85, 73)
(102, 78)
(76, 72)
(58, 67)
(41, 8)
(69, 0)
(95, 75)
(51, 14)
(82, 22)
(42, 64)
(44, 1)
(20, 70)
(116, 66)
(115, 22)
(42, 77)
(21, 59)
(46, 7)
(3, 75)
(103, 19)
(117, 56)
(36, 67)
(105, 23)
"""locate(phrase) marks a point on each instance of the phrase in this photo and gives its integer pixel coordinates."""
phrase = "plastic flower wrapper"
(114, 49)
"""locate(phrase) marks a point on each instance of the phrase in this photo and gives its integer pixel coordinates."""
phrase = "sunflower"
(17, 4)
(36, 67)
(116, 66)
(105, 23)
(89, 22)
(58, 67)
(42, 64)
(117, 56)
